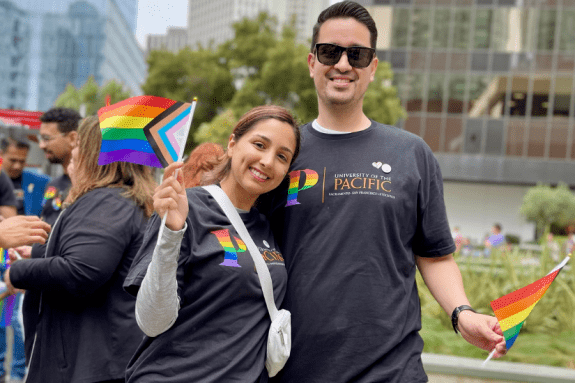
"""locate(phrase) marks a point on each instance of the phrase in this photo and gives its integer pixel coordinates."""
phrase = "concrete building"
(174, 40)
(14, 45)
(67, 41)
(489, 85)
(210, 21)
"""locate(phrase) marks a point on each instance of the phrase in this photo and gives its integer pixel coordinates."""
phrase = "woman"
(200, 301)
(86, 330)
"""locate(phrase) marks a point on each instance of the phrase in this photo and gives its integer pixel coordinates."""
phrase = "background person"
(28, 186)
(201, 161)
(363, 208)
(28, 191)
(83, 326)
(200, 300)
(58, 135)
(7, 198)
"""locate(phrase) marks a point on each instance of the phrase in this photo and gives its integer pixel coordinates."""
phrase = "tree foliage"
(546, 205)
(218, 130)
(187, 74)
(91, 95)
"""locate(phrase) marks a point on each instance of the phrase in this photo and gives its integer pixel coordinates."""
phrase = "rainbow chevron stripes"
(512, 309)
(145, 130)
(231, 253)
(7, 304)
(311, 179)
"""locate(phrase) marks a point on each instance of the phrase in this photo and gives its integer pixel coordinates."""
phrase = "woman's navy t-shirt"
(221, 331)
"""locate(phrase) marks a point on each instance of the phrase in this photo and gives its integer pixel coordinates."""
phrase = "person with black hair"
(362, 210)
(28, 188)
(28, 185)
(58, 135)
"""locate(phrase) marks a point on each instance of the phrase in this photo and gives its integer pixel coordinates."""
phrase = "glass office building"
(488, 84)
(53, 43)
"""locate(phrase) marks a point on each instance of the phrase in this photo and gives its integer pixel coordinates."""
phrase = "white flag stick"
(180, 155)
(488, 358)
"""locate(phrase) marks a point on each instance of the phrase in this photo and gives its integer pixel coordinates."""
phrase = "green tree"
(381, 102)
(218, 130)
(91, 95)
(187, 74)
(545, 206)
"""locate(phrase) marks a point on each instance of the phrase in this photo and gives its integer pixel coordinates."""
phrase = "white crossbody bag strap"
(262, 270)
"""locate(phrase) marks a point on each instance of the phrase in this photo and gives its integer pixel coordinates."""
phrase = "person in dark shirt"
(58, 135)
(28, 187)
(83, 325)
(7, 198)
(199, 299)
(362, 210)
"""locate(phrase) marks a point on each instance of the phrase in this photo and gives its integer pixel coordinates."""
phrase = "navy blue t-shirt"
(6, 191)
(222, 327)
(54, 196)
(353, 214)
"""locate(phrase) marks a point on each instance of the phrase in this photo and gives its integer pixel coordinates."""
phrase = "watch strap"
(455, 316)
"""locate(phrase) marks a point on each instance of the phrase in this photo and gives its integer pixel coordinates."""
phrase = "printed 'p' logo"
(231, 253)
(311, 178)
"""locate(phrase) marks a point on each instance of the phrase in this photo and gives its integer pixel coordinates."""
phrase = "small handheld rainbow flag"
(145, 130)
(6, 304)
(512, 309)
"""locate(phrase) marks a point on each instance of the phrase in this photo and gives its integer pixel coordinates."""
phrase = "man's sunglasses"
(330, 54)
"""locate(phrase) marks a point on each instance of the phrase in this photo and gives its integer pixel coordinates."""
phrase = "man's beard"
(56, 160)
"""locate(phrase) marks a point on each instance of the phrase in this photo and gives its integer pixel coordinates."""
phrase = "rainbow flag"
(145, 130)
(7, 304)
(512, 309)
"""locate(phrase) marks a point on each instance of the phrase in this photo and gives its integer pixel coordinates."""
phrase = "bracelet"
(455, 316)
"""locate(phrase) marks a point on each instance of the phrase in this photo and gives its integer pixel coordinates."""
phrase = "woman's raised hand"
(171, 196)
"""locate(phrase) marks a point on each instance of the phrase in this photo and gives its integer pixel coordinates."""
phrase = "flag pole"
(180, 155)
(488, 358)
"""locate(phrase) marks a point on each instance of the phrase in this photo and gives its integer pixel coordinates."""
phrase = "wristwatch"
(455, 316)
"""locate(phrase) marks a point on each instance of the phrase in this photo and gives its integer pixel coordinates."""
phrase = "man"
(364, 208)
(28, 186)
(7, 199)
(58, 134)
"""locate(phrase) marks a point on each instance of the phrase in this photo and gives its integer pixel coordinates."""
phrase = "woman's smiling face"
(260, 160)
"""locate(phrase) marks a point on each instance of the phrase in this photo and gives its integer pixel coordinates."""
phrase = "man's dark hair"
(345, 9)
(497, 226)
(6, 142)
(67, 119)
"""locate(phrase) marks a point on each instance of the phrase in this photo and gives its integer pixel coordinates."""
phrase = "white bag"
(279, 342)
(279, 334)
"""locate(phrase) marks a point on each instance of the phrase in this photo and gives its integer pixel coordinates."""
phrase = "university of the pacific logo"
(231, 253)
(311, 178)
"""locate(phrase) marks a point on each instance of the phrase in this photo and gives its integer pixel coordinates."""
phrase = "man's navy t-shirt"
(356, 209)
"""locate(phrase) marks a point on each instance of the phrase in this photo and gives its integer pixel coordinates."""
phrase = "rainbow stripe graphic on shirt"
(311, 178)
(50, 193)
(7, 304)
(231, 253)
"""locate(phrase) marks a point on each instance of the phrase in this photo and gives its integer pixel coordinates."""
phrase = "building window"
(401, 21)
(546, 35)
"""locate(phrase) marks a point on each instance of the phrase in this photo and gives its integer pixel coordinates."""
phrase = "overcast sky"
(154, 17)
